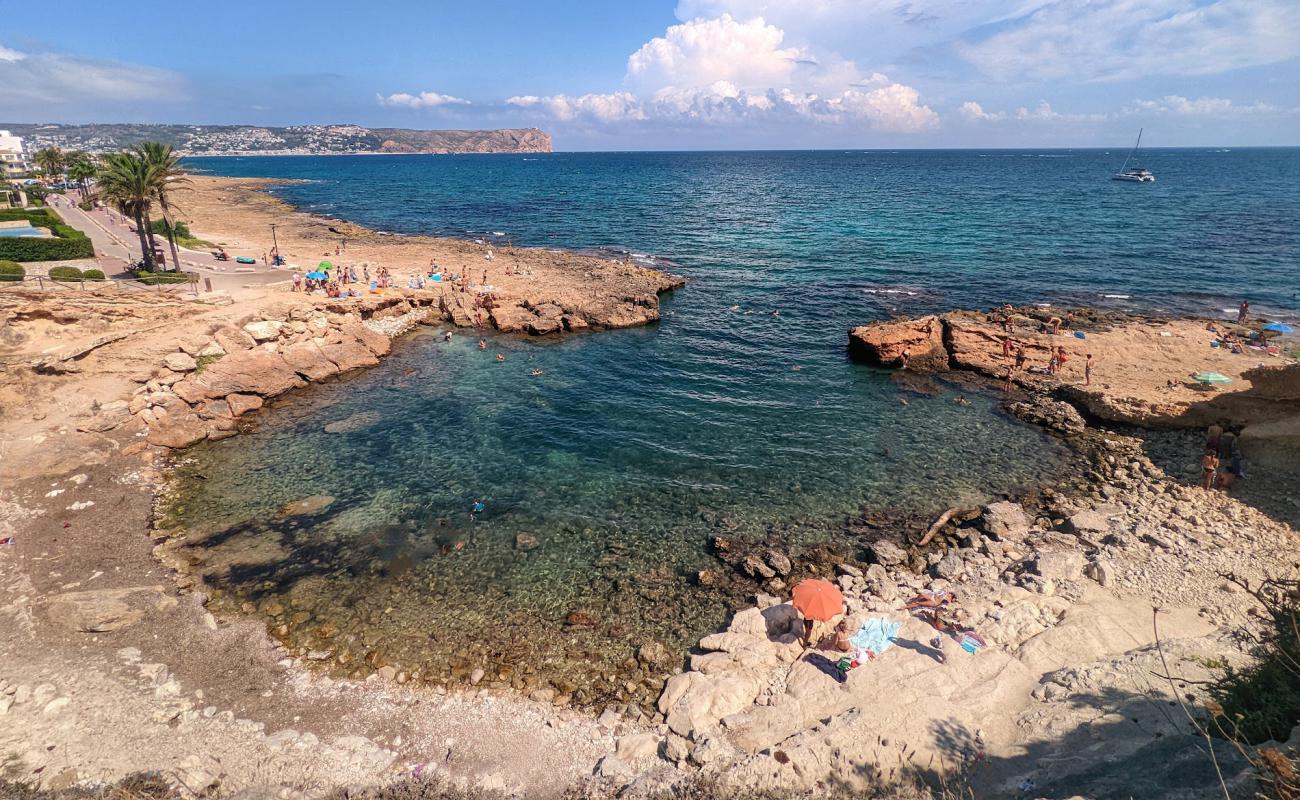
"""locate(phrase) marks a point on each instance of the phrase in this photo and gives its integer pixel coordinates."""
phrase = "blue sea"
(738, 415)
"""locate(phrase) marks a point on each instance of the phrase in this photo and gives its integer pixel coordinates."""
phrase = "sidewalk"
(116, 248)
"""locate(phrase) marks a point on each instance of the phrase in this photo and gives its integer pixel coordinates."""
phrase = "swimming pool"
(26, 230)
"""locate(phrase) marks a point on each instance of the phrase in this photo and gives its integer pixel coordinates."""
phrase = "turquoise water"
(22, 231)
(633, 448)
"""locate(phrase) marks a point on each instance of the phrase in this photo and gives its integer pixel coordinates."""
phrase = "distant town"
(233, 140)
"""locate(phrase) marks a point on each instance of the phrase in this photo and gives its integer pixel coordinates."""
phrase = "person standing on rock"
(1007, 345)
(1209, 466)
(1087, 370)
(1242, 312)
(902, 359)
(1020, 358)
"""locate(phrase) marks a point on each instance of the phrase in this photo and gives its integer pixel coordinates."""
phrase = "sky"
(677, 74)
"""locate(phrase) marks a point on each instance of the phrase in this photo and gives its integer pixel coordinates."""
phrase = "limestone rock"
(887, 553)
(105, 610)
(1090, 524)
(267, 330)
(200, 774)
(1005, 520)
(177, 430)
(1059, 565)
(179, 362)
(511, 319)
(241, 404)
(637, 746)
(377, 343)
(349, 355)
(246, 372)
(309, 361)
(883, 344)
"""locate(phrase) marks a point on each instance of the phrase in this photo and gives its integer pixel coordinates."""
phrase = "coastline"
(745, 709)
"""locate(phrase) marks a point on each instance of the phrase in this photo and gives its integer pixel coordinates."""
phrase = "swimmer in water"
(501, 356)
(482, 344)
(536, 371)
(478, 508)
(962, 401)
(446, 337)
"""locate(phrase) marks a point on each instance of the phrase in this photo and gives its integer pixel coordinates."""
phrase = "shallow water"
(634, 447)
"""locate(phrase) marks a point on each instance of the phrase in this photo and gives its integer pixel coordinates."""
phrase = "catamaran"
(1135, 173)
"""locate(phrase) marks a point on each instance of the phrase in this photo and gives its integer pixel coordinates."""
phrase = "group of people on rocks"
(1221, 463)
(1058, 356)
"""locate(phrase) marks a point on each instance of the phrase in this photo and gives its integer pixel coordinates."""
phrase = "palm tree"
(131, 183)
(81, 168)
(162, 159)
(51, 160)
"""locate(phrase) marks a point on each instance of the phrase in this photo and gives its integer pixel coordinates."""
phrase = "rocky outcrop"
(887, 344)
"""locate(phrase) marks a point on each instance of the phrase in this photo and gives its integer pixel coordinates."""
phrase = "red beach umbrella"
(818, 599)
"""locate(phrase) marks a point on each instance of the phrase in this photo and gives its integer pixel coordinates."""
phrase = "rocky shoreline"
(1063, 584)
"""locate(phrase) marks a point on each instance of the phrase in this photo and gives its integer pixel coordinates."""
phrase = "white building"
(13, 157)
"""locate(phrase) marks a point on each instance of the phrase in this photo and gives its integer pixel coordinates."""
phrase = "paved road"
(116, 248)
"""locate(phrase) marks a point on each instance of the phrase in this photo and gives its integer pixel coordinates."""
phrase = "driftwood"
(938, 523)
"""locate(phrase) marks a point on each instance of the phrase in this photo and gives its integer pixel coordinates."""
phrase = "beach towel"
(971, 642)
(876, 635)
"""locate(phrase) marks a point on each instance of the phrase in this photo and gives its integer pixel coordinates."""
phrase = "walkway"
(117, 247)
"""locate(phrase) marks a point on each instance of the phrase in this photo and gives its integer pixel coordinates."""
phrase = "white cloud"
(702, 52)
(1126, 39)
(59, 79)
(724, 71)
(421, 100)
(1204, 106)
(1043, 112)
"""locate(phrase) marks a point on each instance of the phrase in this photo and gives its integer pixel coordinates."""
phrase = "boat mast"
(1131, 152)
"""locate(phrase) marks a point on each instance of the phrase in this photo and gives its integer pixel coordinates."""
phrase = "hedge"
(22, 248)
(153, 278)
(70, 244)
(11, 271)
(93, 274)
(65, 273)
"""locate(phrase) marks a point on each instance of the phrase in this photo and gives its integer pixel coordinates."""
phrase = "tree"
(51, 161)
(129, 182)
(164, 162)
(81, 168)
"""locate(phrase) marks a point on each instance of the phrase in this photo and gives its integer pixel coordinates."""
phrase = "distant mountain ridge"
(214, 140)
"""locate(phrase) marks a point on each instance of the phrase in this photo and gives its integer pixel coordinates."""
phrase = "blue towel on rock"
(876, 634)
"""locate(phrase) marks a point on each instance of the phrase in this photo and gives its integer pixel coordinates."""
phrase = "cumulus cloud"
(1204, 106)
(53, 78)
(421, 100)
(1043, 112)
(726, 71)
(1125, 39)
(702, 52)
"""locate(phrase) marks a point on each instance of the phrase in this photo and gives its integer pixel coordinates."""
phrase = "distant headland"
(237, 140)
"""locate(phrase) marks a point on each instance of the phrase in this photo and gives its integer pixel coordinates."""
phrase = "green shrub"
(154, 278)
(11, 271)
(93, 275)
(65, 273)
(1262, 701)
(70, 244)
(22, 248)
(181, 230)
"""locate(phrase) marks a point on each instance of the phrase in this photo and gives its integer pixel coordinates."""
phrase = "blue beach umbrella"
(316, 276)
(1280, 327)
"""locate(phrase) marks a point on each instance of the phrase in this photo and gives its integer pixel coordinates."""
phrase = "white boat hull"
(1136, 178)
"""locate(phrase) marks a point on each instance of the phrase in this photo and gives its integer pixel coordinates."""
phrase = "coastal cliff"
(246, 140)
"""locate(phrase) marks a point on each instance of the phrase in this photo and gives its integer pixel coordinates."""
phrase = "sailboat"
(1135, 173)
